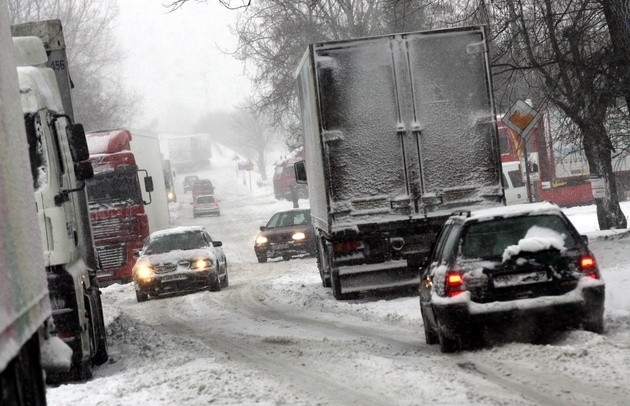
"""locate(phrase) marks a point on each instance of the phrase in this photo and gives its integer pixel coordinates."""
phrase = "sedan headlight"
(299, 236)
(144, 271)
(201, 264)
(261, 239)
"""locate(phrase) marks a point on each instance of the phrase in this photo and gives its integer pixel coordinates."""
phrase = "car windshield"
(289, 218)
(489, 239)
(205, 199)
(172, 242)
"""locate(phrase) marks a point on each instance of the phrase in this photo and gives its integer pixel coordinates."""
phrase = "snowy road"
(276, 336)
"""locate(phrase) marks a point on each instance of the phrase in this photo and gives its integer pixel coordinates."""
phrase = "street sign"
(521, 118)
(598, 186)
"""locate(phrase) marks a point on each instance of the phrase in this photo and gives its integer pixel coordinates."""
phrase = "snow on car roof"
(515, 210)
(176, 230)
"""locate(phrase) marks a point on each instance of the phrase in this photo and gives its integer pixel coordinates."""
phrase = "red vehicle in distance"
(119, 222)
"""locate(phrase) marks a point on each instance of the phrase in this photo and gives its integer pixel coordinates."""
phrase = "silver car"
(206, 205)
(179, 259)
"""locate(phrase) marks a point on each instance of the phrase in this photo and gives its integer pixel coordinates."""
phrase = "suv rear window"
(489, 239)
(205, 199)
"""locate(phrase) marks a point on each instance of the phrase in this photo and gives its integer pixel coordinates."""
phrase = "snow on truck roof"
(107, 142)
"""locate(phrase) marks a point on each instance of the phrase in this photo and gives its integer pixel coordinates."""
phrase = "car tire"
(286, 257)
(594, 323)
(262, 259)
(430, 336)
(141, 296)
(447, 344)
(214, 284)
(226, 283)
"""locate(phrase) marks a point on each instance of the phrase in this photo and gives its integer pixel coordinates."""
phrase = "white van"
(513, 185)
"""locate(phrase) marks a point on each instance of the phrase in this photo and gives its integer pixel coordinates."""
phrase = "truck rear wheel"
(336, 286)
(22, 381)
(96, 316)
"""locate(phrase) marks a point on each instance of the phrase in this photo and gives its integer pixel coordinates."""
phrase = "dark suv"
(188, 182)
(517, 266)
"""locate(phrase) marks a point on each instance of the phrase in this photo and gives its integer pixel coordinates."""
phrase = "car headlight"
(299, 236)
(201, 264)
(170, 195)
(261, 239)
(144, 271)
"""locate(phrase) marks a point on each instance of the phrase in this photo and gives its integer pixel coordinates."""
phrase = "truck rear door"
(407, 123)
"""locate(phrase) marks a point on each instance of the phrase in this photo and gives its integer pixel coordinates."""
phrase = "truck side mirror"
(83, 170)
(300, 172)
(263, 228)
(78, 144)
(148, 184)
(217, 243)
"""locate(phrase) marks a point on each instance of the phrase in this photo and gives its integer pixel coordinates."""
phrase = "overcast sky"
(174, 61)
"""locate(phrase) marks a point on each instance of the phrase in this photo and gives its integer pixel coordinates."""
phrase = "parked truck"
(24, 303)
(119, 222)
(58, 155)
(399, 131)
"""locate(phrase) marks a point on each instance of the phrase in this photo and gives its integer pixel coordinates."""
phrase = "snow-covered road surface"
(276, 336)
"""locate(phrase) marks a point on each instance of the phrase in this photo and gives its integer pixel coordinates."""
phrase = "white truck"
(24, 303)
(399, 131)
(58, 155)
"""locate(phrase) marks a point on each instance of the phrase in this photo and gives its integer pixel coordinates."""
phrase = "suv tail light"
(589, 266)
(454, 283)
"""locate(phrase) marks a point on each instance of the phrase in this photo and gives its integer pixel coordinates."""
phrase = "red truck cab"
(119, 222)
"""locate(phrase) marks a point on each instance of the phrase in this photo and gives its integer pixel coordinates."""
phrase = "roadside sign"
(598, 185)
(521, 118)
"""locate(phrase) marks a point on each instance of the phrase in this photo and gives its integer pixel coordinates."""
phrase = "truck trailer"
(399, 132)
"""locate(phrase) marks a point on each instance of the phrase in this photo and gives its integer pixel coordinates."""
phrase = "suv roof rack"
(465, 213)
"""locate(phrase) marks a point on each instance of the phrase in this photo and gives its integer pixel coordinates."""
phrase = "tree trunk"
(598, 154)
(617, 13)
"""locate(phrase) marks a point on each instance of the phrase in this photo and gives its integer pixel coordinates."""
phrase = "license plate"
(281, 246)
(501, 281)
(171, 278)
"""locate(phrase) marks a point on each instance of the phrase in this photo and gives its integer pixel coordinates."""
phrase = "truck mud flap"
(380, 276)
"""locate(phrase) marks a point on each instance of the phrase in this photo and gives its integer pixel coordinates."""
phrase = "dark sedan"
(287, 234)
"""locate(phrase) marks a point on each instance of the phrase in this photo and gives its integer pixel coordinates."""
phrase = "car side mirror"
(136, 254)
(217, 244)
(585, 239)
(263, 228)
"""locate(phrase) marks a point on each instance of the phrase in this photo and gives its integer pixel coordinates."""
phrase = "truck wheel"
(100, 355)
(262, 258)
(321, 264)
(141, 296)
(22, 381)
(214, 285)
(336, 286)
(286, 257)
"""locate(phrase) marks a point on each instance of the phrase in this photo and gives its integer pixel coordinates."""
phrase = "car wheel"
(262, 259)
(430, 337)
(225, 279)
(141, 296)
(447, 344)
(594, 323)
(286, 257)
(214, 285)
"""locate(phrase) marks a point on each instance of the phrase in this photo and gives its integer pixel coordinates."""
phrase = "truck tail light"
(454, 283)
(346, 247)
(589, 266)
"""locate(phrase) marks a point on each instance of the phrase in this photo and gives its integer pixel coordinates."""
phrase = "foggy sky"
(173, 61)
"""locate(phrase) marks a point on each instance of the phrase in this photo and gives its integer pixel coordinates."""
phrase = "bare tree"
(617, 13)
(559, 52)
(100, 99)
(252, 133)
(229, 4)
